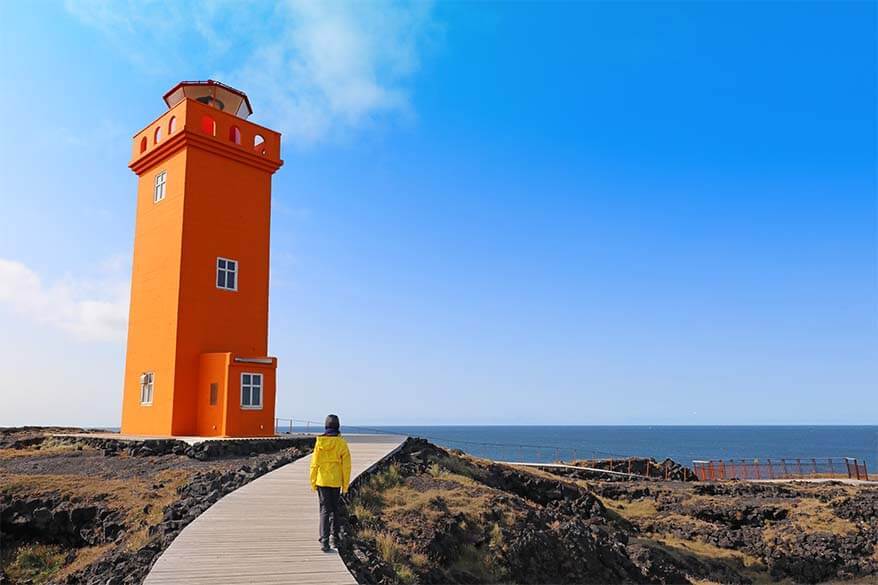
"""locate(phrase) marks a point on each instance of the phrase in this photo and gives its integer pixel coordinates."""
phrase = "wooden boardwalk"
(264, 532)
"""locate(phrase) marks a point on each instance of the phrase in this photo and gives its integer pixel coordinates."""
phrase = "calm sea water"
(680, 443)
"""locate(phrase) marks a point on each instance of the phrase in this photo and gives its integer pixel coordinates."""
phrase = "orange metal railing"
(784, 468)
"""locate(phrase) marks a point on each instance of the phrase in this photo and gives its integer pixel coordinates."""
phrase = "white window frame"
(159, 186)
(252, 385)
(147, 388)
(225, 270)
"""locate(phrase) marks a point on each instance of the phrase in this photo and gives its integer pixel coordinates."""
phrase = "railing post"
(831, 466)
(722, 470)
(799, 467)
(865, 471)
(814, 463)
(770, 470)
(785, 472)
(756, 468)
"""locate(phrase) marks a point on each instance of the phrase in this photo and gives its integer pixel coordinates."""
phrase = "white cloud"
(93, 309)
(314, 70)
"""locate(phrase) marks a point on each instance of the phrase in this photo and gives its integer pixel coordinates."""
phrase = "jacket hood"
(328, 443)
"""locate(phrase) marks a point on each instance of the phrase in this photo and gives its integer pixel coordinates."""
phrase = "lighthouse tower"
(197, 361)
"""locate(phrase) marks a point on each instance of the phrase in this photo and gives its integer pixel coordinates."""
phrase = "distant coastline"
(682, 443)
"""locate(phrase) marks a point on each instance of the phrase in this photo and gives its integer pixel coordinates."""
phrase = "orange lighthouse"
(197, 362)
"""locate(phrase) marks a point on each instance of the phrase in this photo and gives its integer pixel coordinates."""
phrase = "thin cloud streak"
(316, 71)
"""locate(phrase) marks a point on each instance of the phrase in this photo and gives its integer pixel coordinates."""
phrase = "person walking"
(330, 477)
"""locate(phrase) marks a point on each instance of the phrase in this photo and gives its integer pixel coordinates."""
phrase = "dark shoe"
(324, 546)
(333, 541)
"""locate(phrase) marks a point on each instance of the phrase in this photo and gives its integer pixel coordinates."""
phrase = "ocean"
(680, 443)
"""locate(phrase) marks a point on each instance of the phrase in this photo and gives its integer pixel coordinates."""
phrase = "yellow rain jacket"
(331, 463)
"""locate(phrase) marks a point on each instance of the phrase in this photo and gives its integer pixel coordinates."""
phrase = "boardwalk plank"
(264, 532)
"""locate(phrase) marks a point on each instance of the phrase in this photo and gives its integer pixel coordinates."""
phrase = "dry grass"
(128, 497)
(812, 515)
(742, 563)
(35, 563)
(702, 549)
(456, 493)
(404, 507)
(395, 554)
(84, 557)
(477, 563)
(642, 508)
(49, 447)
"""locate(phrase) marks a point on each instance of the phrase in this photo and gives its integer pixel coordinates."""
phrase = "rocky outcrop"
(38, 512)
(643, 531)
(646, 467)
(205, 489)
(207, 450)
(57, 520)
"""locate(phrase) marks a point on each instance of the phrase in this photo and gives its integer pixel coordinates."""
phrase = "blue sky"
(523, 213)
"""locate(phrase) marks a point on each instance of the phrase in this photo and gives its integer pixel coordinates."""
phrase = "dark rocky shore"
(434, 516)
(91, 510)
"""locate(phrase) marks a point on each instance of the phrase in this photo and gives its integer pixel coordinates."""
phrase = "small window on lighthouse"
(147, 383)
(158, 191)
(226, 274)
(251, 390)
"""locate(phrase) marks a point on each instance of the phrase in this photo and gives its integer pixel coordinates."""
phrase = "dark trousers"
(329, 497)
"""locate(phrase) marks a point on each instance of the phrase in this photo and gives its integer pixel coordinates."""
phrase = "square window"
(226, 274)
(251, 390)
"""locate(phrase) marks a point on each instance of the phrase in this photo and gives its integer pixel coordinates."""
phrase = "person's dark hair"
(331, 422)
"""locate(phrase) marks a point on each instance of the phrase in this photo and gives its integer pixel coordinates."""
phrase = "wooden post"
(865, 472)
(831, 467)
